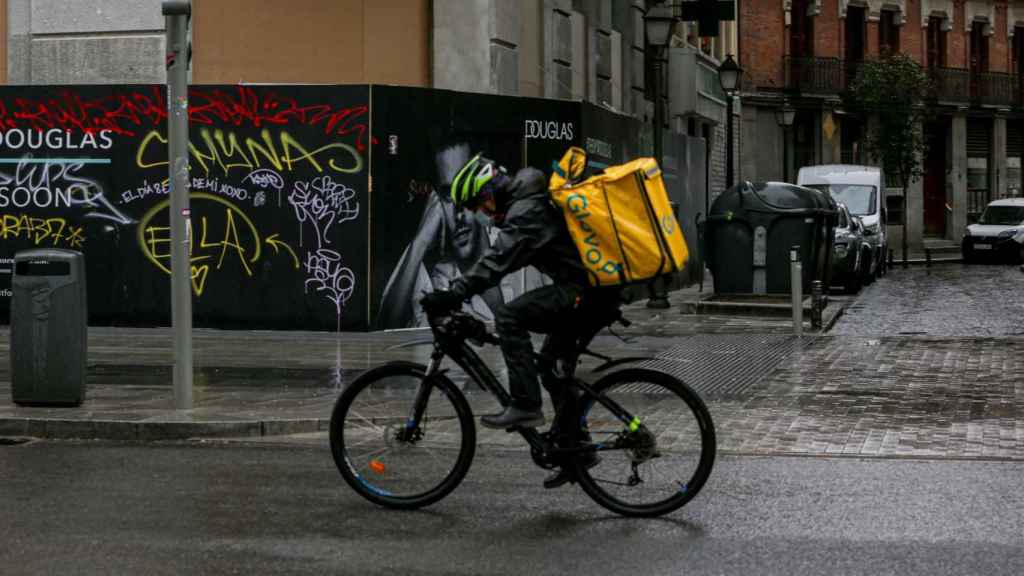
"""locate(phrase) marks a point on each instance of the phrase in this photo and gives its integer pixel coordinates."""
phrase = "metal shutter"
(979, 137)
(1015, 139)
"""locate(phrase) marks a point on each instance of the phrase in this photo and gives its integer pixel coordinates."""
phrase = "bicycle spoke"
(658, 466)
(389, 463)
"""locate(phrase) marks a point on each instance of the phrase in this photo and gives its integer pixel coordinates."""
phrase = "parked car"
(850, 252)
(993, 235)
(862, 189)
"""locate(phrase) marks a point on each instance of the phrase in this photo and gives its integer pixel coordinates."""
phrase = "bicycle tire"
(657, 399)
(384, 412)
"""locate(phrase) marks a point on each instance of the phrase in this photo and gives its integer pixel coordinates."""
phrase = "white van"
(862, 189)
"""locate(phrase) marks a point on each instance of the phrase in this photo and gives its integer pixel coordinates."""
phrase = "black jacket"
(533, 234)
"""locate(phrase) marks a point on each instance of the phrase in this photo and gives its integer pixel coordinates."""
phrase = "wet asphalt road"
(283, 509)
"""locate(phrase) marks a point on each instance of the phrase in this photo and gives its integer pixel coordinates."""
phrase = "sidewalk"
(264, 383)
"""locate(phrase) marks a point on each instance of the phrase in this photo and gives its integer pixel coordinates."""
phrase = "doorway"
(935, 180)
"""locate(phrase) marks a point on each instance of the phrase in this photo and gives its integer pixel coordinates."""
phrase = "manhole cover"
(726, 366)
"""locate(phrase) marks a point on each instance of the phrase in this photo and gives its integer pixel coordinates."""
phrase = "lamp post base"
(657, 296)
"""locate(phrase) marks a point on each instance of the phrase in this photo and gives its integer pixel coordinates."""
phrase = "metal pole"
(659, 112)
(656, 291)
(785, 154)
(903, 239)
(797, 288)
(728, 142)
(177, 13)
(817, 304)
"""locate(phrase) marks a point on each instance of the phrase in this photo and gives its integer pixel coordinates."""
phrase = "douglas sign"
(540, 130)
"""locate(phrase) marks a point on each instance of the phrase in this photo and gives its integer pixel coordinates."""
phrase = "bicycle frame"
(466, 358)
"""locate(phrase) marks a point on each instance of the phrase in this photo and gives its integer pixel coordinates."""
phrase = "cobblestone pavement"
(892, 396)
(944, 300)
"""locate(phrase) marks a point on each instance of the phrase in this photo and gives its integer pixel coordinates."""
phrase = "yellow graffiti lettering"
(222, 151)
(153, 239)
(289, 143)
(53, 231)
(199, 274)
(230, 150)
(231, 241)
(268, 151)
(144, 147)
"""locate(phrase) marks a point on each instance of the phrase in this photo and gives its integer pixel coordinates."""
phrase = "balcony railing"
(951, 84)
(815, 75)
(994, 89)
(833, 76)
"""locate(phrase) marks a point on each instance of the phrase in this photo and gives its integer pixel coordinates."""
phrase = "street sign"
(708, 14)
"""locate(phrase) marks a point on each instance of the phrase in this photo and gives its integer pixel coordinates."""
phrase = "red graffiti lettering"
(136, 112)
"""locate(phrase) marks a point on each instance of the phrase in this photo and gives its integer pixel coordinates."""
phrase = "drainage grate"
(725, 366)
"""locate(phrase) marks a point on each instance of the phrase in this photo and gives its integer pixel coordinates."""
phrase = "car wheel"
(867, 274)
(853, 281)
(967, 253)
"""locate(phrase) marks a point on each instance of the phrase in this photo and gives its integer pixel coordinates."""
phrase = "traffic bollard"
(817, 304)
(796, 285)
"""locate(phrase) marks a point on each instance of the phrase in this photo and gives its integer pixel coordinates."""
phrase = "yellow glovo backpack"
(621, 219)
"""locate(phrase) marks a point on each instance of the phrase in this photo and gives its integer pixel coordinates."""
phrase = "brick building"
(806, 51)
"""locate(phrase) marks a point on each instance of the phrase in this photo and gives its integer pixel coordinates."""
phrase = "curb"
(155, 430)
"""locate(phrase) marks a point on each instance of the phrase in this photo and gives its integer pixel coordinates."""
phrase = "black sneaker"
(514, 417)
(564, 475)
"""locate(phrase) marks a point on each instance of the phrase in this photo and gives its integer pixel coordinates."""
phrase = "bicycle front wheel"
(657, 462)
(388, 458)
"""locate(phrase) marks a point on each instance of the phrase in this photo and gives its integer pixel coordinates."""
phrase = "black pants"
(563, 312)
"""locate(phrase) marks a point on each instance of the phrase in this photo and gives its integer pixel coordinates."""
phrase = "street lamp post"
(729, 75)
(658, 22)
(177, 14)
(785, 115)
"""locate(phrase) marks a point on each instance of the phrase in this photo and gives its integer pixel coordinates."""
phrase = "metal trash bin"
(751, 228)
(48, 328)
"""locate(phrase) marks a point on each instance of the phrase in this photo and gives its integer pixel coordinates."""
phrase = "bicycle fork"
(419, 405)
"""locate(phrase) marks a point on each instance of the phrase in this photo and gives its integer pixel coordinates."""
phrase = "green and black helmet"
(473, 178)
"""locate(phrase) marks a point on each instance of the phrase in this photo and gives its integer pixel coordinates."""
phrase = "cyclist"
(532, 232)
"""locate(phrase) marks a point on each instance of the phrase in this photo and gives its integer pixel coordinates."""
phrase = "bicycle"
(403, 434)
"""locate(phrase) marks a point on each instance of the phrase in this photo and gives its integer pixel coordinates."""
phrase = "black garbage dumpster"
(48, 328)
(751, 227)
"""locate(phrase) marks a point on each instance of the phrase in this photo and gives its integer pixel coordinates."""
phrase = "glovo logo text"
(590, 246)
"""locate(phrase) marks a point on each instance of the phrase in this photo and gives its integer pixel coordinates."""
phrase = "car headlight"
(967, 232)
(1008, 233)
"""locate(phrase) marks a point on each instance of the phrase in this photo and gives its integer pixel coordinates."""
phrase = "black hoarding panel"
(422, 137)
(279, 191)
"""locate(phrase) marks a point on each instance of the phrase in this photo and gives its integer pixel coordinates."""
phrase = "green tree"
(890, 95)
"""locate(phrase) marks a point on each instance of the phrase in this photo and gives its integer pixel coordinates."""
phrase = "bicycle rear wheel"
(386, 459)
(657, 465)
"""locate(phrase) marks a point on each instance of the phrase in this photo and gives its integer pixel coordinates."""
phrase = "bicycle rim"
(638, 480)
(385, 460)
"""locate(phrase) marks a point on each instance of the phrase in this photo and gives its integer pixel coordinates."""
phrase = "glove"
(441, 301)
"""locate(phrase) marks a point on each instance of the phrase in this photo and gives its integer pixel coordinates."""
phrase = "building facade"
(583, 50)
(805, 52)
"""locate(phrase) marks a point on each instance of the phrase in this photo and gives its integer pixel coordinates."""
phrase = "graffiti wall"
(420, 243)
(278, 225)
(312, 207)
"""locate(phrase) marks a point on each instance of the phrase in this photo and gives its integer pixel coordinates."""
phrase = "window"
(801, 30)
(936, 43)
(1017, 50)
(888, 33)
(859, 199)
(979, 48)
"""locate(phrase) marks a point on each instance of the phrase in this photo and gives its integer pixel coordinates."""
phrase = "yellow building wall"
(311, 41)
